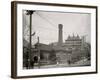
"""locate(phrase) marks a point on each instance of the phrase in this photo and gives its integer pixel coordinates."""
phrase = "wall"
(5, 41)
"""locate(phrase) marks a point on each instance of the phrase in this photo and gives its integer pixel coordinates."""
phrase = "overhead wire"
(52, 24)
(48, 21)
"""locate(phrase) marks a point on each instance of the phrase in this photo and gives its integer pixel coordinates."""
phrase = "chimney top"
(60, 26)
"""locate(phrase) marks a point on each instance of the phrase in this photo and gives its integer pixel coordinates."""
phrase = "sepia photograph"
(56, 39)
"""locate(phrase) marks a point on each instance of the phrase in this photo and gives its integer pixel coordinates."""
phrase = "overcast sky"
(45, 24)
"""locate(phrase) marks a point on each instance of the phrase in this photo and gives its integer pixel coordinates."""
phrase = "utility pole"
(83, 40)
(38, 53)
(30, 12)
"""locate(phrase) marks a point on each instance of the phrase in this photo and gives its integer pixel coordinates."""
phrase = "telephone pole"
(30, 12)
(38, 53)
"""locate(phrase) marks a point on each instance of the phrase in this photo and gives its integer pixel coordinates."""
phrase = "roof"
(45, 47)
(73, 37)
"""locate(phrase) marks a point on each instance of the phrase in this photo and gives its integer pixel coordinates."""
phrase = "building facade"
(73, 42)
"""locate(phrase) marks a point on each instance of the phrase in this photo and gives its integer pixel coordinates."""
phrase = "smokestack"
(60, 36)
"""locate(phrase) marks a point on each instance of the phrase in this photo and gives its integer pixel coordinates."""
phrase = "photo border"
(14, 37)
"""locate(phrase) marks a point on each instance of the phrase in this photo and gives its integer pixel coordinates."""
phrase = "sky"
(45, 25)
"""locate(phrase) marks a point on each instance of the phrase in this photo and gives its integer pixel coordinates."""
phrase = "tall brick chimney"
(60, 36)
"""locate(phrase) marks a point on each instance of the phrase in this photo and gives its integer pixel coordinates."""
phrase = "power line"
(47, 21)
(37, 13)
